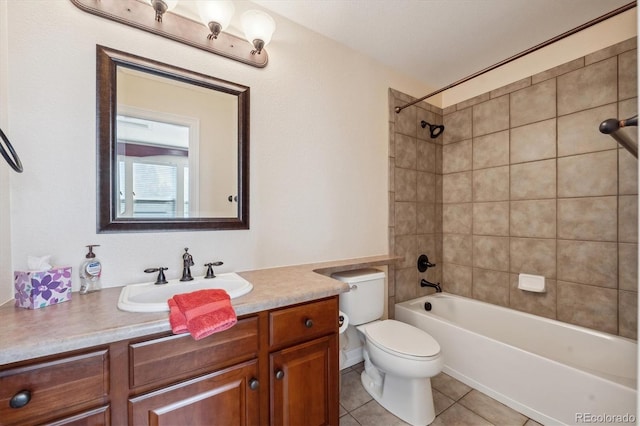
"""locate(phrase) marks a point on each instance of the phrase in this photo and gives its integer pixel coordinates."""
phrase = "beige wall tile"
(535, 141)
(628, 75)
(405, 184)
(473, 101)
(426, 156)
(588, 306)
(628, 266)
(491, 252)
(627, 173)
(491, 218)
(535, 180)
(516, 85)
(457, 279)
(457, 126)
(587, 175)
(533, 256)
(591, 218)
(628, 218)
(491, 116)
(405, 218)
(628, 314)
(588, 87)
(438, 159)
(456, 249)
(426, 218)
(610, 51)
(578, 132)
(405, 246)
(491, 150)
(491, 286)
(456, 187)
(456, 218)
(405, 151)
(535, 103)
(406, 284)
(392, 139)
(491, 184)
(406, 121)
(543, 304)
(559, 70)
(588, 262)
(426, 187)
(456, 157)
(535, 218)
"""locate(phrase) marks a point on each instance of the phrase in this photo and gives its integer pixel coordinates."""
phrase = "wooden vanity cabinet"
(303, 363)
(275, 367)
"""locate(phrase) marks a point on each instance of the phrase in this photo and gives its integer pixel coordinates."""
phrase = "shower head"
(434, 129)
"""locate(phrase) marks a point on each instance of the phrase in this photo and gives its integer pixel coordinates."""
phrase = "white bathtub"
(552, 372)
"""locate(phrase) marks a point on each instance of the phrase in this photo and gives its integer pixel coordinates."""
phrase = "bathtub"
(550, 371)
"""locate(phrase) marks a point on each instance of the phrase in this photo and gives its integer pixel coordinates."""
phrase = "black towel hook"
(14, 162)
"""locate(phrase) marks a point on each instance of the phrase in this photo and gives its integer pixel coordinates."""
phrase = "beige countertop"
(94, 319)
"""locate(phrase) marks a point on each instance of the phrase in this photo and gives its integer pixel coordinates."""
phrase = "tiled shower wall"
(522, 181)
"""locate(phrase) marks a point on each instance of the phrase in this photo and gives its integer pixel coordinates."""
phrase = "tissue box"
(37, 289)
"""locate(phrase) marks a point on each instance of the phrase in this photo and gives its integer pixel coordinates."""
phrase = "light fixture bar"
(139, 15)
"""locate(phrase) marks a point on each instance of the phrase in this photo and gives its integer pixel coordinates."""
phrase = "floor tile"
(457, 415)
(441, 402)
(352, 393)
(531, 422)
(492, 410)
(372, 414)
(348, 420)
(449, 386)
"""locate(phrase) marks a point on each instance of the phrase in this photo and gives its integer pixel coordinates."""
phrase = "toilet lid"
(402, 338)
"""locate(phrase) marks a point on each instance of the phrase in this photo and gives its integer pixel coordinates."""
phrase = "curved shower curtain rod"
(523, 53)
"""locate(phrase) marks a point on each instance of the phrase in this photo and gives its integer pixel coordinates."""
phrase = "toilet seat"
(402, 339)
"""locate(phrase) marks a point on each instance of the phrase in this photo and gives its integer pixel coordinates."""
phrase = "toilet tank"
(364, 302)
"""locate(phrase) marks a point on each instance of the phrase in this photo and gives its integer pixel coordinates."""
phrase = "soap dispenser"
(90, 271)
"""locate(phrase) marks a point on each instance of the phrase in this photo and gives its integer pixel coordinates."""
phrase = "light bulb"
(216, 15)
(258, 28)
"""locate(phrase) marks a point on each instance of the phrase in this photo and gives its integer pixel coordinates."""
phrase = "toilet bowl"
(399, 362)
(399, 359)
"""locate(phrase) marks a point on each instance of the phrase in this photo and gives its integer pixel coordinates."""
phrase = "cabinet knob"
(254, 384)
(20, 399)
(308, 323)
(279, 375)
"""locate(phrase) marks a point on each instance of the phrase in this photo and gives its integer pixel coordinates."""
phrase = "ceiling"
(440, 41)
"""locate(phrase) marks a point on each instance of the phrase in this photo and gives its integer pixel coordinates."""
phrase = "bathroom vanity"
(277, 365)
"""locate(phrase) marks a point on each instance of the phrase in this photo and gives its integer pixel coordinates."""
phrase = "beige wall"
(6, 273)
(529, 185)
(318, 147)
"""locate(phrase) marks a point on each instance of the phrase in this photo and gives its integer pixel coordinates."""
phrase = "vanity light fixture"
(216, 15)
(162, 6)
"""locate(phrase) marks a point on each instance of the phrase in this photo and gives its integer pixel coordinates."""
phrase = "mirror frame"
(107, 61)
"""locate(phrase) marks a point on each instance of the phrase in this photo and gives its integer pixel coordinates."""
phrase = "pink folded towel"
(204, 311)
(176, 319)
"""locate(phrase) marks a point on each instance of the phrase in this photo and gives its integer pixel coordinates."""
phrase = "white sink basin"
(149, 297)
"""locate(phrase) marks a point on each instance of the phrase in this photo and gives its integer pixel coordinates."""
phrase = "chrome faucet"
(425, 283)
(187, 263)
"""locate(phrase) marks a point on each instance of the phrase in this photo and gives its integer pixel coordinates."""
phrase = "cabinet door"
(229, 397)
(304, 384)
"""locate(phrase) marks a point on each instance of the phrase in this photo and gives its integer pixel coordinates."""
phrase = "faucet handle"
(210, 266)
(161, 278)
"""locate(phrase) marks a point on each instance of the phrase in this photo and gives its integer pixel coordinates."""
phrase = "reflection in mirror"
(173, 147)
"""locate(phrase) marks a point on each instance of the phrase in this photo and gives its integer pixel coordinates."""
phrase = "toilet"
(399, 359)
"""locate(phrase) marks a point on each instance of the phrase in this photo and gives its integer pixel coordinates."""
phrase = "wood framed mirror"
(173, 147)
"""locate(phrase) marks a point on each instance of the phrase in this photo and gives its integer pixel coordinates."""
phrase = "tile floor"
(455, 404)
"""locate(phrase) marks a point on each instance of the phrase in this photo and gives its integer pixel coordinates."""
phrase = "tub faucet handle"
(423, 263)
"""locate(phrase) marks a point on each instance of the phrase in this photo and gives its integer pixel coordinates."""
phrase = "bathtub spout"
(425, 283)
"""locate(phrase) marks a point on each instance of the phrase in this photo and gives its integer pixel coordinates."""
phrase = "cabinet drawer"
(56, 387)
(303, 322)
(175, 357)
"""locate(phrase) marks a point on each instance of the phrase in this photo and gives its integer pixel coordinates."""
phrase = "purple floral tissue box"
(37, 289)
